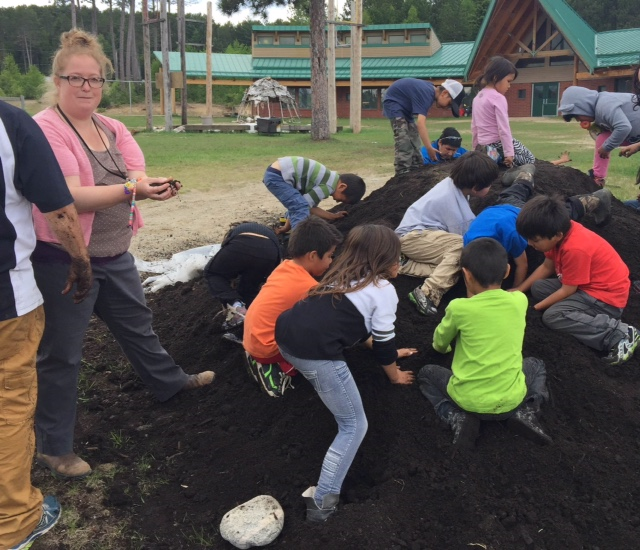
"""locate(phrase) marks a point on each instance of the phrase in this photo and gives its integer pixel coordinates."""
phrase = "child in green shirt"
(488, 380)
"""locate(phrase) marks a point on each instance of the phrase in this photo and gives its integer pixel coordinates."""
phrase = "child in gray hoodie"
(613, 112)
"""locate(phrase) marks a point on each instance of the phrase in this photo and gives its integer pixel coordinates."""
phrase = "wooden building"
(552, 46)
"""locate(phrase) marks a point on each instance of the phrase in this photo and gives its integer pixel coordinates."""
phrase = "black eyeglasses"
(78, 81)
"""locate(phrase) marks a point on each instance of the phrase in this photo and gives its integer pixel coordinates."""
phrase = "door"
(545, 99)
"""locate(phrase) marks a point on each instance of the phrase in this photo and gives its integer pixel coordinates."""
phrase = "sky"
(198, 7)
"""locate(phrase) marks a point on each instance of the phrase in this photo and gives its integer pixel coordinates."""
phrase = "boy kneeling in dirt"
(311, 246)
(300, 184)
(488, 380)
(431, 230)
(583, 284)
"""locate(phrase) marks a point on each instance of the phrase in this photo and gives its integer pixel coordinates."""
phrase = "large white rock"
(254, 523)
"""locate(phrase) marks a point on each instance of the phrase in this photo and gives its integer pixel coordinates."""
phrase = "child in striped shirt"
(300, 184)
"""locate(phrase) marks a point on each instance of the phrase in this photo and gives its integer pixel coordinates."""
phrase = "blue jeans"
(338, 391)
(433, 381)
(633, 204)
(298, 209)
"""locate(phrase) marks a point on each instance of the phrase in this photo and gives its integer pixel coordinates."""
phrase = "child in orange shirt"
(311, 246)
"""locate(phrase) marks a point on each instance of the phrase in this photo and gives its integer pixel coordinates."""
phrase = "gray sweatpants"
(118, 299)
(590, 321)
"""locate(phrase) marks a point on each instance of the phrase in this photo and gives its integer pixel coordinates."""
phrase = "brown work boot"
(199, 380)
(70, 466)
(598, 204)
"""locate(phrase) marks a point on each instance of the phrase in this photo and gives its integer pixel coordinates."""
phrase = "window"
(558, 43)
(561, 60)
(370, 98)
(623, 86)
(265, 40)
(344, 38)
(418, 38)
(305, 39)
(602, 88)
(304, 98)
(530, 63)
(373, 39)
(522, 94)
(395, 38)
(287, 40)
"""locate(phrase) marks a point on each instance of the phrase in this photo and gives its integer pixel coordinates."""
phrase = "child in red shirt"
(591, 287)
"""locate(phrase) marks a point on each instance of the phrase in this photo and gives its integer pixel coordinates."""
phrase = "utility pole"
(209, 95)
(331, 68)
(146, 47)
(355, 105)
(166, 75)
(182, 39)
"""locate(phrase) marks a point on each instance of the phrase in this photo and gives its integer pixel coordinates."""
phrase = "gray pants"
(117, 298)
(433, 380)
(590, 321)
(408, 155)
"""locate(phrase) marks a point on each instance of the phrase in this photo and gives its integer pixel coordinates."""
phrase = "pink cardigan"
(490, 120)
(73, 161)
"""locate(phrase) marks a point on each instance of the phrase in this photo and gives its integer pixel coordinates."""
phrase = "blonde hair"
(78, 42)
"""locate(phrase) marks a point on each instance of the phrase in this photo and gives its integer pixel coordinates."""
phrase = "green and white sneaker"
(624, 349)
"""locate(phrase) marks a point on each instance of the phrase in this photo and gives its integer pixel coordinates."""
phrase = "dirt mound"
(212, 450)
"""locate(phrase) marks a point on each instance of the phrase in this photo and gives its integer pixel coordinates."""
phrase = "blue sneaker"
(51, 511)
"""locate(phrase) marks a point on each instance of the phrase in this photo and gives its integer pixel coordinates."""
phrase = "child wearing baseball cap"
(408, 97)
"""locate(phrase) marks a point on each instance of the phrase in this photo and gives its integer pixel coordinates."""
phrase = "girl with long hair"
(353, 303)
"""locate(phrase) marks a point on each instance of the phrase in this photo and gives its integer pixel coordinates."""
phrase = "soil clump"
(210, 450)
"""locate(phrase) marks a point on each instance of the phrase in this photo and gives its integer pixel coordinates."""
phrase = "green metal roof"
(597, 50)
(305, 28)
(616, 48)
(223, 65)
(449, 61)
(575, 30)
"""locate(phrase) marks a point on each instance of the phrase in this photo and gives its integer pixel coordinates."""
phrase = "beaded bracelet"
(130, 189)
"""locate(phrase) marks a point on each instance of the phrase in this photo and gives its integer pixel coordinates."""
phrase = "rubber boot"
(598, 204)
(466, 429)
(525, 424)
(526, 171)
(316, 513)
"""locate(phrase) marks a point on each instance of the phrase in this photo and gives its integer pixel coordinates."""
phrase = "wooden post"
(331, 68)
(146, 46)
(355, 105)
(209, 96)
(183, 60)
(166, 77)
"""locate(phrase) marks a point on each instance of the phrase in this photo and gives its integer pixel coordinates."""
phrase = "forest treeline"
(30, 34)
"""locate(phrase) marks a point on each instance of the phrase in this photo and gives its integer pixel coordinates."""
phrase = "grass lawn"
(204, 161)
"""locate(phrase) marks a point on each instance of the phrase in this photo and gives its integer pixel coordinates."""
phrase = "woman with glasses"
(105, 172)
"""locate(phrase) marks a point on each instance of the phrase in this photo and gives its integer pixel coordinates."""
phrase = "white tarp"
(181, 267)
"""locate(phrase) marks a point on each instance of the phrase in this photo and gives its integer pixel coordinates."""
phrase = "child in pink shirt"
(490, 114)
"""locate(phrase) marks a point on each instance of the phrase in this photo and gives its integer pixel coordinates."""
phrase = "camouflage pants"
(407, 145)
(433, 254)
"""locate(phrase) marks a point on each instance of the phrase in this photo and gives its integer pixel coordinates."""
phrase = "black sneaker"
(422, 302)
(235, 317)
(272, 380)
(252, 366)
(525, 424)
(51, 511)
(624, 349)
(466, 429)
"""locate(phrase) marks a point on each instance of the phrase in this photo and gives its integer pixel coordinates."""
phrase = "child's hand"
(404, 377)
(603, 153)
(564, 157)
(406, 352)
(338, 215)
(508, 162)
(629, 150)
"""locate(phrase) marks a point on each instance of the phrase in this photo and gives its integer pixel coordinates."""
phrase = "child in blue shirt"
(499, 222)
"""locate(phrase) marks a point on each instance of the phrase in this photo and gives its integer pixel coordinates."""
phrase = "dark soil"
(215, 448)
